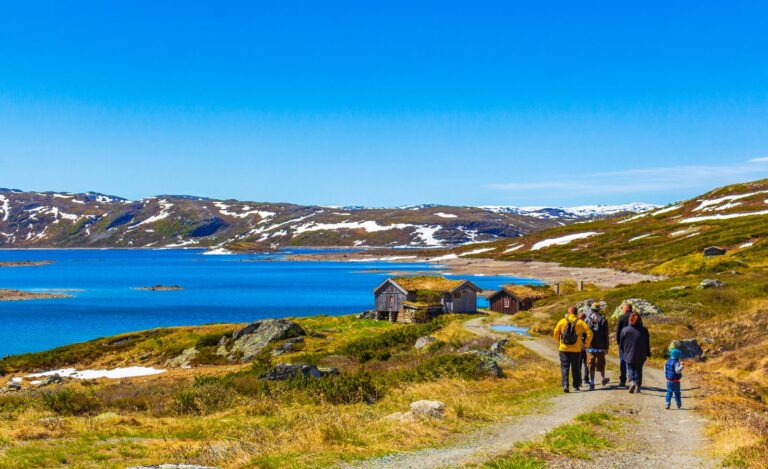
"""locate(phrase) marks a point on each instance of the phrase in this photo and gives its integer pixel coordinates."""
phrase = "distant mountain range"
(54, 219)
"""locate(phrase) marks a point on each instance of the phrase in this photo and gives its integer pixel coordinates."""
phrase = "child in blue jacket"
(673, 370)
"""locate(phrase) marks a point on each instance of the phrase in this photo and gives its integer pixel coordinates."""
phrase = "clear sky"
(385, 102)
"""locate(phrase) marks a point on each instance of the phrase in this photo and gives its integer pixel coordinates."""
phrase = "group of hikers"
(584, 340)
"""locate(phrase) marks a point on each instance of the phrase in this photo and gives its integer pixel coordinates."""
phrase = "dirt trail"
(659, 438)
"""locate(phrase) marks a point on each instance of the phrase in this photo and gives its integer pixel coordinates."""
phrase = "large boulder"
(644, 307)
(709, 283)
(286, 371)
(690, 348)
(424, 341)
(246, 343)
(586, 305)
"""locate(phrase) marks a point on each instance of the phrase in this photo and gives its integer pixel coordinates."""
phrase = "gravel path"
(658, 438)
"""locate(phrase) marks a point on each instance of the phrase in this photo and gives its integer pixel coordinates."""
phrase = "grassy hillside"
(663, 241)
(224, 415)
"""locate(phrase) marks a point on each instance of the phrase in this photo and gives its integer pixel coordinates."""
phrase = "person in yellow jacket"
(568, 333)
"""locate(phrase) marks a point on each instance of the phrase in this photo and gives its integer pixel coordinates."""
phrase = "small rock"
(709, 283)
(490, 361)
(402, 417)
(53, 379)
(424, 341)
(428, 408)
(294, 340)
(680, 287)
(13, 385)
(318, 335)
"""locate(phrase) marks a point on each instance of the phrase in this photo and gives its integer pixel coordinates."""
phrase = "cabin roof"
(524, 292)
(428, 282)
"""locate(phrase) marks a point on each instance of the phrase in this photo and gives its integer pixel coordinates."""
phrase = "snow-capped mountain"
(53, 219)
(572, 213)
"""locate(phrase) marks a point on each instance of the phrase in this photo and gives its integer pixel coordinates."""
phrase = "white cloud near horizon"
(643, 180)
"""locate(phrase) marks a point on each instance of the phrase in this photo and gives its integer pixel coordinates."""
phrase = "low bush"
(68, 401)
(204, 397)
(210, 340)
(465, 366)
(344, 389)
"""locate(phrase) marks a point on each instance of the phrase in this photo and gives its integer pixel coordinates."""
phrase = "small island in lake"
(19, 295)
(160, 288)
(25, 263)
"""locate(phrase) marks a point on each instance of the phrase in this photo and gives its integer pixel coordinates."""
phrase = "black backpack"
(569, 336)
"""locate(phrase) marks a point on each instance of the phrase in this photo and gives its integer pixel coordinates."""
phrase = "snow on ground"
(514, 248)
(476, 251)
(685, 231)
(641, 237)
(746, 245)
(5, 208)
(359, 242)
(218, 252)
(165, 206)
(636, 217)
(446, 215)
(61, 196)
(425, 232)
(709, 205)
(666, 210)
(721, 217)
(245, 211)
(117, 373)
(182, 243)
(562, 240)
(446, 257)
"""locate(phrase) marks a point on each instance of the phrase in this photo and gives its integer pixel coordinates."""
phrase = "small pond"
(513, 329)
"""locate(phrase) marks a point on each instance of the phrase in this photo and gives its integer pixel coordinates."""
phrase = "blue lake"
(217, 288)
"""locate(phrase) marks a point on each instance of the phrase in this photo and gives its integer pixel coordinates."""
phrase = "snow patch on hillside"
(666, 210)
(562, 240)
(446, 215)
(245, 211)
(714, 204)
(514, 248)
(476, 251)
(640, 237)
(117, 373)
(5, 207)
(722, 217)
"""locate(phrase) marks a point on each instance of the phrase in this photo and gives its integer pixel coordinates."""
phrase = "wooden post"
(556, 287)
(581, 285)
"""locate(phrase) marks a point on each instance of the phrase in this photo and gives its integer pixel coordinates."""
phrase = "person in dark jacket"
(583, 364)
(623, 322)
(599, 346)
(636, 348)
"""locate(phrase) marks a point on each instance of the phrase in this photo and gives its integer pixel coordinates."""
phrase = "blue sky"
(384, 102)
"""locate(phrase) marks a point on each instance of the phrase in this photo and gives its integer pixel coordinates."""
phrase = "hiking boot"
(606, 381)
(591, 387)
(577, 388)
(565, 389)
(622, 384)
(632, 388)
(667, 406)
(680, 406)
(637, 390)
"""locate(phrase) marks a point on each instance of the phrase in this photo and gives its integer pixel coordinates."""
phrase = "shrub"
(369, 347)
(344, 389)
(67, 401)
(465, 366)
(204, 397)
(210, 340)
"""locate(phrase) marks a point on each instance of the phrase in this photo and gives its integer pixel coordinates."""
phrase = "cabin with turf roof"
(419, 299)
(512, 299)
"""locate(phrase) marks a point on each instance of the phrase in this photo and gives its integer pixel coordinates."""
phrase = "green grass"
(516, 460)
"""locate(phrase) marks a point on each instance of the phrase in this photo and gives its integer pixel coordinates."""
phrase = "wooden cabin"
(512, 299)
(714, 251)
(419, 299)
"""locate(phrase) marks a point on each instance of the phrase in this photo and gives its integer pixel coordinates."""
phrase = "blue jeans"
(635, 373)
(674, 388)
(622, 369)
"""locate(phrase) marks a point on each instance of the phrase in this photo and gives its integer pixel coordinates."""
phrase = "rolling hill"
(665, 240)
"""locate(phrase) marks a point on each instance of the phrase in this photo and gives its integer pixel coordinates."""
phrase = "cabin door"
(391, 302)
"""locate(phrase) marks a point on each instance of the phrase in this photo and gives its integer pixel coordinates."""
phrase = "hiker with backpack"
(636, 349)
(673, 370)
(568, 333)
(599, 347)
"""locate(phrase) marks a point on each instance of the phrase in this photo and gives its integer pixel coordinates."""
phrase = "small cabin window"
(506, 302)
(457, 295)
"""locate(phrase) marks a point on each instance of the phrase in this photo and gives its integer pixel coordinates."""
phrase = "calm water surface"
(227, 288)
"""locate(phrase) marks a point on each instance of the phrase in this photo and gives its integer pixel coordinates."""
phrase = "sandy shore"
(549, 272)
(20, 295)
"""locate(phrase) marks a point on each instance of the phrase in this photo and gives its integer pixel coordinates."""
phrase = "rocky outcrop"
(246, 343)
(690, 348)
(644, 307)
(499, 346)
(185, 359)
(288, 346)
(490, 362)
(286, 371)
(710, 283)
